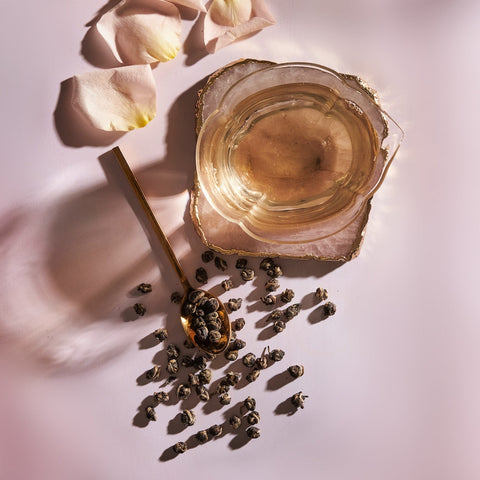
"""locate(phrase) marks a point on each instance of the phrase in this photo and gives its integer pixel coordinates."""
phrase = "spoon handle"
(151, 217)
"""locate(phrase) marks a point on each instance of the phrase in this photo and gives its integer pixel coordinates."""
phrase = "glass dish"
(293, 152)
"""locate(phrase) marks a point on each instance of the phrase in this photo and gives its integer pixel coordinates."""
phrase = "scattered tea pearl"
(296, 371)
(140, 309)
(298, 400)
(321, 294)
(144, 288)
(180, 447)
(329, 309)
(150, 414)
(235, 421)
(253, 432)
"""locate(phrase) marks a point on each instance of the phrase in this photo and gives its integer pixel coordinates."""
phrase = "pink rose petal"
(220, 33)
(116, 99)
(142, 31)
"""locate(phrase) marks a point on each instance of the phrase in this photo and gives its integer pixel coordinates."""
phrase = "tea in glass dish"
(291, 146)
(292, 153)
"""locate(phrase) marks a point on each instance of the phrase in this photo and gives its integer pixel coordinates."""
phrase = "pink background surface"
(392, 378)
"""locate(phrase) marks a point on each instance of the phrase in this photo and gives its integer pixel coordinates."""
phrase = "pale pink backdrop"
(392, 378)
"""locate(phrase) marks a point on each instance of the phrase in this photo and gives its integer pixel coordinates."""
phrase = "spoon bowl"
(212, 343)
(201, 312)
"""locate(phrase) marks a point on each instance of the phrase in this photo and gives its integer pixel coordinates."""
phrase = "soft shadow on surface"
(317, 315)
(102, 212)
(109, 5)
(96, 51)
(304, 268)
(285, 408)
(91, 259)
(280, 380)
(80, 253)
(175, 425)
(181, 138)
(73, 128)
(94, 48)
(174, 173)
(187, 13)
(194, 45)
(67, 269)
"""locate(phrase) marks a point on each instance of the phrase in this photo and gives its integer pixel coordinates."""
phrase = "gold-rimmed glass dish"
(294, 151)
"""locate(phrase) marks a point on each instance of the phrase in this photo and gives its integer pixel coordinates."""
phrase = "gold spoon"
(209, 345)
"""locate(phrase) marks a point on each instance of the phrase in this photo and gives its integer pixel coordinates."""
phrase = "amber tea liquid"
(294, 145)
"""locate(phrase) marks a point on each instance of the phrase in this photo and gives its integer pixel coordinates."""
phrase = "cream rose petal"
(220, 27)
(117, 99)
(230, 12)
(195, 4)
(142, 31)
